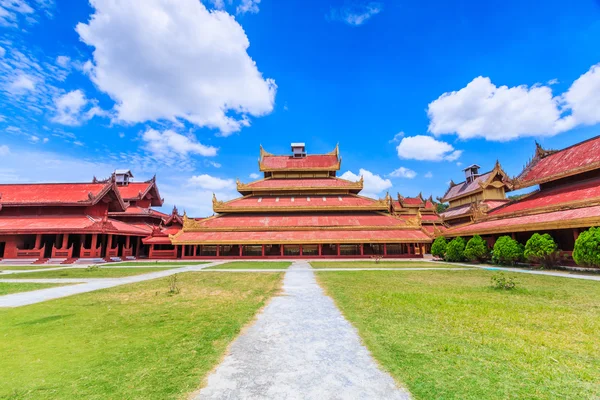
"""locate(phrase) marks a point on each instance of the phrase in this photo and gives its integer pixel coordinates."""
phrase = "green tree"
(438, 248)
(587, 248)
(441, 207)
(507, 251)
(455, 250)
(542, 249)
(477, 249)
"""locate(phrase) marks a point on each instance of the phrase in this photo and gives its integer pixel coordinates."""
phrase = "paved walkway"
(83, 286)
(301, 347)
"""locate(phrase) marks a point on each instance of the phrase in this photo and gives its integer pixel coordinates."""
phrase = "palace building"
(566, 201)
(301, 209)
(63, 222)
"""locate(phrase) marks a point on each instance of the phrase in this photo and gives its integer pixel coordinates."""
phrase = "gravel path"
(301, 347)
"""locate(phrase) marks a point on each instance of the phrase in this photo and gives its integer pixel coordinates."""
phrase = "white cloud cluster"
(501, 113)
(169, 145)
(4, 150)
(71, 108)
(160, 62)
(403, 172)
(356, 14)
(254, 175)
(209, 182)
(373, 185)
(13, 11)
(248, 6)
(426, 148)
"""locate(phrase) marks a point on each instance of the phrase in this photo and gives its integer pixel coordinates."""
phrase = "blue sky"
(412, 91)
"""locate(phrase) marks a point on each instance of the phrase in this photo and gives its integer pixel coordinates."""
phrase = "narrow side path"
(83, 286)
(301, 347)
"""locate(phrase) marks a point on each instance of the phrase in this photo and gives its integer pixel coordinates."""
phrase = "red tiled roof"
(581, 157)
(430, 217)
(459, 211)
(67, 224)
(302, 202)
(301, 220)
(276, 183)
(581, 191)
(492, 204)
(304, 236)
(51, 193)
(579, 217)
(412, 201)
(137, 190)
(328, 162)
(140, 211)
(464, 188)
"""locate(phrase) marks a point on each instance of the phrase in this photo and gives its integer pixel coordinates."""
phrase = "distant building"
(567, 199)
(300, 208)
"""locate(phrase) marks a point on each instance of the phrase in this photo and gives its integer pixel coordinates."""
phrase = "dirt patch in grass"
(449, 335)
(129, 342)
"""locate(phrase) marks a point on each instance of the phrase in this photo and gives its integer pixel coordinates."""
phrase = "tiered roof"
(478, 184)
(272, 185)
(316, 162)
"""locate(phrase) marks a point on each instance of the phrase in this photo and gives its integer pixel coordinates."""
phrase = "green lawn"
(86, 273)
(156, 263)
(16, 287)
(381, 264)
(28, 267)
(129, 342)
(449, 335)
(253, 265)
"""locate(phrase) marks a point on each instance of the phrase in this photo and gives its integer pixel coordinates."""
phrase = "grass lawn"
(156, 263)
(85, 273)
(253, 265)
(8, 287)
(28, 267)
(449, 335)
(129, 342)
(381, 264)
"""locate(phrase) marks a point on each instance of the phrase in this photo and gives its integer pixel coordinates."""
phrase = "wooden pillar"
(38, 241)
(513, 235)
(241, 250)
(150, 250)
(263, 250)
(281, 249)
(127, 241)
(338, 249)
(93, 245)
(575, 233)
(385, 249)
(65, 241)
(300, 250)
(218, 250)
(109, 242)
(137, 247)
(320, 250)
(362, 249)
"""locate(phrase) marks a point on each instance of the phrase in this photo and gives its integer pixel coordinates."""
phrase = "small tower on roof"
(123, 176)
(298, 150)
(471, 172)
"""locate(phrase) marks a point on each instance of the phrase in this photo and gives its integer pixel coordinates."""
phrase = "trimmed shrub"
(507, 251)
(499, 281)
(542, 249)
(477, 249)
(438, 248)
(587, 248)
(455, 250)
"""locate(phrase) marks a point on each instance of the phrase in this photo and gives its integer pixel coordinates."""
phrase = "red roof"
(268, 203)
(140, 211)
(579, 217)
(28, 194)
(545, 167)
(412, 201)
(66, 224)
(328, 162)
(228, 221)
(278, 184)
(581, 191)
(304, 236)
(430, 217)
(466, 188)
(455, 212)
(139, 190)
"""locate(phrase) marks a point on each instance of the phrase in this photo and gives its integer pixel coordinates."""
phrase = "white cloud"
(426, 148)
(21, 84)
(2, 51)
(428, 175)
(212, 164)
(501, 113)
(208, 182)
(169, 144)
(356, 14)
(397, 137)
(4, 150)
(45, 140)
(63, 61)
(13, 11)
(248, 6)
(68, 108)
(254, 175)
(373, 185)
(160, 62)
(403, 172)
